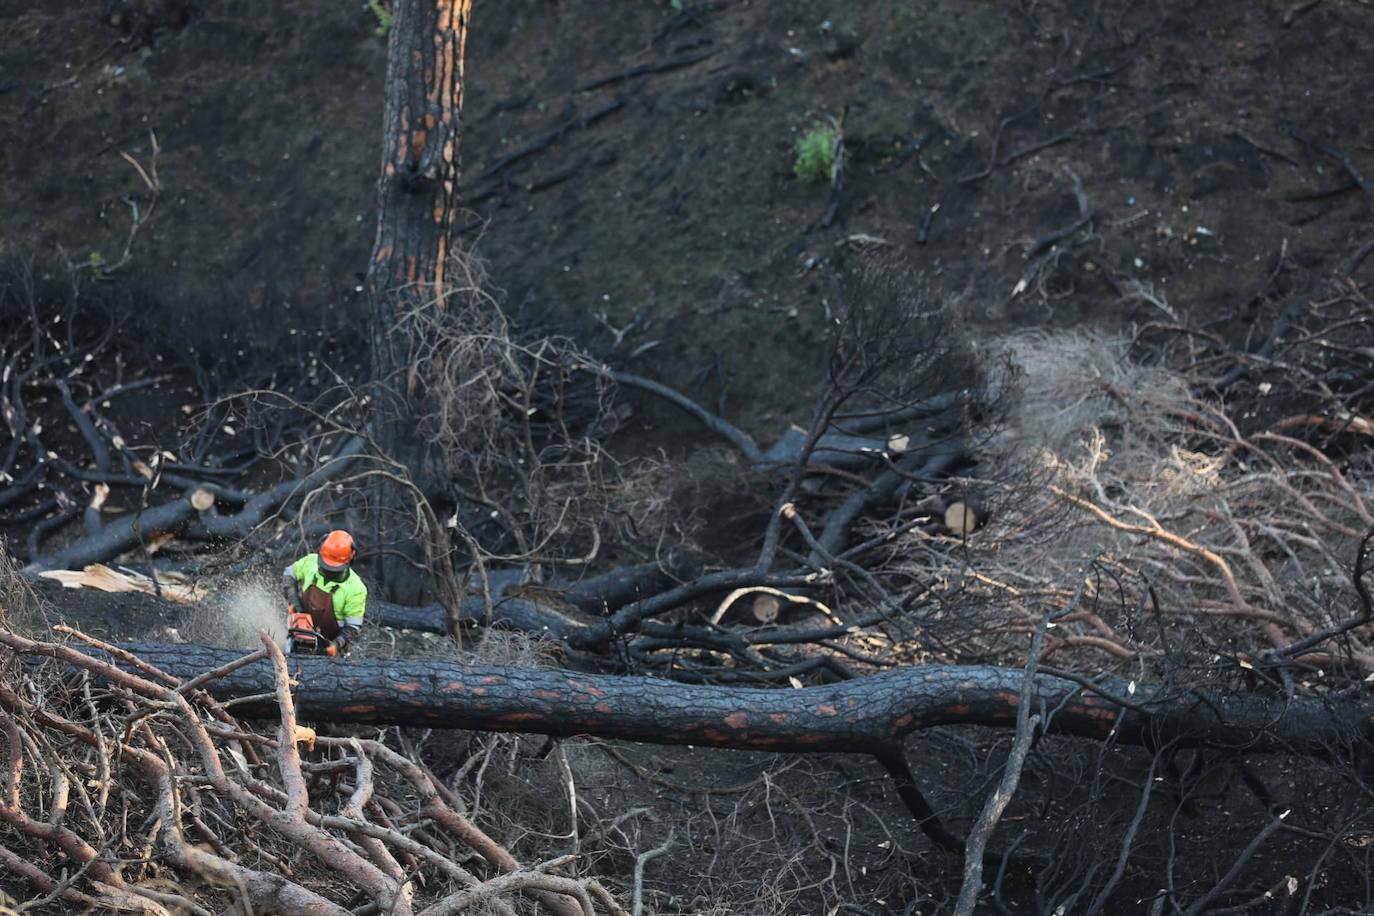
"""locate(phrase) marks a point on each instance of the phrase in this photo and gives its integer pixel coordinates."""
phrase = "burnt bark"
(421, 130)
(864, 715)
(417, 196)
(935, 461)
(612, 590)
(508, 612)
(595, 595)
(615, 606)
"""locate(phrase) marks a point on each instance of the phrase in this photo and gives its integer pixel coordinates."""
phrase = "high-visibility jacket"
(348, 595)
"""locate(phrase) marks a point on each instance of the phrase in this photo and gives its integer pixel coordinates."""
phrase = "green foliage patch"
(384, 17)
(815, 159)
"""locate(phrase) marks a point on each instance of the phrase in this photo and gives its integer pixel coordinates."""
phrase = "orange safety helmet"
(336, 551)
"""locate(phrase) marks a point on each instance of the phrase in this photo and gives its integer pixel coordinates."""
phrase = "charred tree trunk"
(598, 596)
(421, 132)
(865, 715)
(417, 196)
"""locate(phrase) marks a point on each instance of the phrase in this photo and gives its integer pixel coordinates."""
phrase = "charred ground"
(670, 135)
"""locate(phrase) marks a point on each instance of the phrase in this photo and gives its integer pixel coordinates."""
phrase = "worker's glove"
(341, 642)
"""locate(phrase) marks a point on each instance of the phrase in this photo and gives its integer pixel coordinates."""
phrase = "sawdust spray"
(237, 611)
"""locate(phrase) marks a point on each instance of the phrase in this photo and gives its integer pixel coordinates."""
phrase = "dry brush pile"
(1225, 534)
(128, 789)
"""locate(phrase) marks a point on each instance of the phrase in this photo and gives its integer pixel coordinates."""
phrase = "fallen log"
(624, 603)
(935, 461)
(131, 531)
(850, 446)
(115, 538)
(507, 612)
(864, 715)
(837, 450)
(939, 413)
(595, 595)
(612, 590)
(870, 715)
(718, 425)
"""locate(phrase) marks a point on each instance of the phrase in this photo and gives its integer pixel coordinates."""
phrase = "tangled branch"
(195, 762)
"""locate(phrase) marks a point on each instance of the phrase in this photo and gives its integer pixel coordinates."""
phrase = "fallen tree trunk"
(936, 460)
(618, 604)
(836, 450)
(850, 446)
(864, 715)
(598, 595)
(718, 425)
(612, 590)
(116, 538)
(133, 530)
(935, 412)
(508, 612)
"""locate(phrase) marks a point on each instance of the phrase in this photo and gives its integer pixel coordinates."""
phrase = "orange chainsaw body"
(301, 636)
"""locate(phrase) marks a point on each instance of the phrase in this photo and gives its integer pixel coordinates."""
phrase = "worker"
(324, 585)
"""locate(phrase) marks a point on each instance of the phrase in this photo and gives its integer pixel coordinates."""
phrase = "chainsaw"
(301, 636)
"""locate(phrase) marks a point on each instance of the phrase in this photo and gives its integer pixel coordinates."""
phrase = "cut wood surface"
(860, 715)
(961, 519)
(766, 608)
(172, 586)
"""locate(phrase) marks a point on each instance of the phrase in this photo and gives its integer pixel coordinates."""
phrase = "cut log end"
(961, 519)
(766, 608)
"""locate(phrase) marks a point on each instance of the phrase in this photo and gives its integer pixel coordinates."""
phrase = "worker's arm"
(289, 589)
(350, 614)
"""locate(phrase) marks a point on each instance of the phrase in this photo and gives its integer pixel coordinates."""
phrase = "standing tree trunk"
(421, 132)
(417, 196)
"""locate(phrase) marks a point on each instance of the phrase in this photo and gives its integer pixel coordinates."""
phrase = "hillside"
(640, 165)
